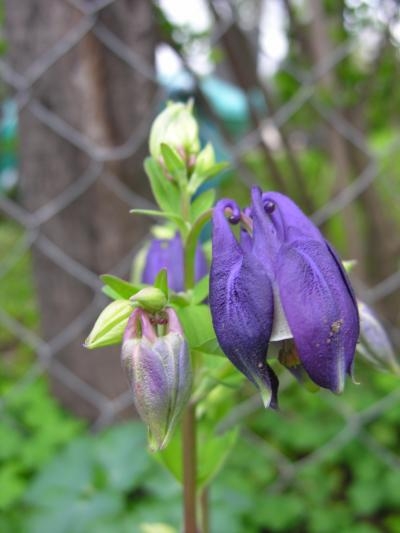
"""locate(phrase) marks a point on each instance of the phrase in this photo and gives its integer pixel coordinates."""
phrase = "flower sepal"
(110, 325)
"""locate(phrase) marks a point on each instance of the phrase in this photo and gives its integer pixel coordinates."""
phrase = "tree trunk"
(105, 100)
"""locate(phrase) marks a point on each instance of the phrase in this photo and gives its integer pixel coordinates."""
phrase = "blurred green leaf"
(119, 286)
(121, 452)
(163, 214)
(201, 203)
(175, 164)
(161, 282)
(165, 192)
(197, 324)
(200, 291)
(212, 451)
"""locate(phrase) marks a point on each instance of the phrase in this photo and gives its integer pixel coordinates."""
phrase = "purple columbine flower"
(168, 253)
(280, 280)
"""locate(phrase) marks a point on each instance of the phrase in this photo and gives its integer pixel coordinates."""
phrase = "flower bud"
(176, 127)
(151, 299)
(159, 372)
(110, 325)
(374, 343)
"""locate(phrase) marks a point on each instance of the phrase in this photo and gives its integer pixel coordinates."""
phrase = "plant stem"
(189, 455)
(190, 248)
(204, 510)
(189, 469)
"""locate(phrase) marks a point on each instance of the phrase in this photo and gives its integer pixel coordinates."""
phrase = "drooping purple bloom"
(168, 253)
(306, 285)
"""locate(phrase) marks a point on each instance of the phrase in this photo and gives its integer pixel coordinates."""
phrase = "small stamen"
(247, 222)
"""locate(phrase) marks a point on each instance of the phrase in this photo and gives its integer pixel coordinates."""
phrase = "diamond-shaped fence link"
(21, 84)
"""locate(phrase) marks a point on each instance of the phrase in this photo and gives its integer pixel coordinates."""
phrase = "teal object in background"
(228, 102)
(8, 146)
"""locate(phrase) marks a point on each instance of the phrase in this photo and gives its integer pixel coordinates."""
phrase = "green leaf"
(179, 300)
(164, 191)
(212, 451)
(161, 282)
(211, 346)
(119, 288)
(170, 216)
(203, 202)
(196, 323)
(110, 325)
(12, 484)
(200, 291)
(174, 163)
(113, 451)
(201, 175)
(108, 291)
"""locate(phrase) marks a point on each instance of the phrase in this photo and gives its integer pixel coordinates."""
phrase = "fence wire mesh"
(355, 423)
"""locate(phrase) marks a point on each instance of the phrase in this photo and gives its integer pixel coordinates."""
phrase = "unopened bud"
(110, 325)
(159, 372)
(176, 127)
(151, 299)
(374, 344)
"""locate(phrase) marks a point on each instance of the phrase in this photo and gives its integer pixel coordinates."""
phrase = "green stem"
(189, 419)
(185, 204)
(189, 469)
(190, 248)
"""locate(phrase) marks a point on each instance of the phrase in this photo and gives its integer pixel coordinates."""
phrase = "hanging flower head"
(281, 279)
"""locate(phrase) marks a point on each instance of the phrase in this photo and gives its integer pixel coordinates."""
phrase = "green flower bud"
(176, 127)
(205, 159)
(159, 372)
(151, 299)
(110, 325)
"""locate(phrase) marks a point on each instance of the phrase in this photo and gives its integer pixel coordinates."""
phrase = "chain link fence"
(355, 423)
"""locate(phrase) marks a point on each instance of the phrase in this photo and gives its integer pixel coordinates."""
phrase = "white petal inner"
(280, 327)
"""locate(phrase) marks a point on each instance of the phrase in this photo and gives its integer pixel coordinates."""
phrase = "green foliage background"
(298, 469)
(321, 464)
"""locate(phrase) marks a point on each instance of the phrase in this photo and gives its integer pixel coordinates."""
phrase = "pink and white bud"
(159, 371)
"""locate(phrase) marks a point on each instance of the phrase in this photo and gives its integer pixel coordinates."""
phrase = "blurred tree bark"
(99, 95)
(373, 237)
(242, 59)
(321, 50)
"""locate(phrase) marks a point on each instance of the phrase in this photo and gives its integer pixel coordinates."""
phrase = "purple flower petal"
(241, 302)
(319, 309)
(168, 253)
(292, 223)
